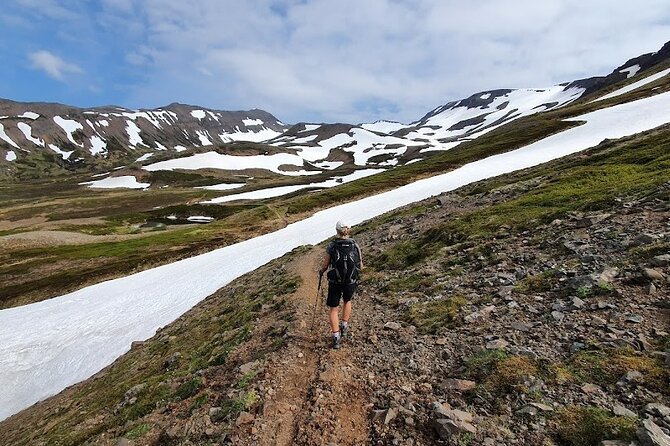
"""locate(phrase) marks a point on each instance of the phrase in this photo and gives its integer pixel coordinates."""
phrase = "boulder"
(460, 385)
(653, 274)
(662, 260)
(623, 412)
(446, 427)
(652, 435)
(496, 344)
(244, 418)
(395, 326)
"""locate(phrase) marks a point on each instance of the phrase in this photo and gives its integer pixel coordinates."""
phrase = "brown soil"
(315, 395)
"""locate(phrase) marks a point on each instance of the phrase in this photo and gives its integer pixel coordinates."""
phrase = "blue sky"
(312, 60)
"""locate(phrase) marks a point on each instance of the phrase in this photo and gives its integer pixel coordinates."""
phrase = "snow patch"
(204, 140)
(104, 123)
(10, 155)
(198, 114)
(27, 132)
(63, 154)
(223, 186)
(248, 121)
(6, 138)
(69, 126)
(180, 148)
(214, 160)
(630, 71)
(383, 126)
(133, 132)
(262, 135)
(328, 165)
(29, 115)
(311, 127)
(98, 145)
(160, 146)
(200, 219)
(144, 157)
(284, 190)
(125, 182)
(634, 85)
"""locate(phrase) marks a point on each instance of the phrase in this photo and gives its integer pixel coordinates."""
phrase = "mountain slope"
(89, 138)
(470, 302)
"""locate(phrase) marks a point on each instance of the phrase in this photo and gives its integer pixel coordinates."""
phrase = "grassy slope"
(183, 366)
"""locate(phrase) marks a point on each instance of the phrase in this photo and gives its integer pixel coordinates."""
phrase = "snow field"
(634, 85)
(126, 181)
(283, 190)
(83, 331)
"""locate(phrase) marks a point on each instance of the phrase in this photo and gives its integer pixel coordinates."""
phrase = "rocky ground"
(481, 319)
(556, 334)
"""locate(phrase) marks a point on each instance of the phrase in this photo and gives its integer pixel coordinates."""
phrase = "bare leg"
(334, 319)
(347, 311)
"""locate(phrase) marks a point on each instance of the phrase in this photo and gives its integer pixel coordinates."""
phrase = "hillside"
(526, 302)
(528, 307)
(42, 139)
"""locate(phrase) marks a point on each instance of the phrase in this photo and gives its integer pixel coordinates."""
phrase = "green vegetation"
(633, 166)
(499, 372)
(206, 336)
(188, 388)
(432, 316)
(537, 283)
(606, 367)
(588, 426)
(138, 431)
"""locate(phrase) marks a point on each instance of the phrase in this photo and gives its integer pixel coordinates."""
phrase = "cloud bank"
(350, 61)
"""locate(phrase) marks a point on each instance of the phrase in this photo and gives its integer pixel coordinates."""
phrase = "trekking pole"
(316, 302)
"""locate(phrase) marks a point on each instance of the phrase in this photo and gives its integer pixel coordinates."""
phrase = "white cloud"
(352, 60)
(53, 65)
(336, 60)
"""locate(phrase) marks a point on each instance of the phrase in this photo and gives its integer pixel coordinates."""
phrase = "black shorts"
(336, 291)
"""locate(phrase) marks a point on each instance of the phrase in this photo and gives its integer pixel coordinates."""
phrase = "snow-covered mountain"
(386, 143)
(77, 135)
(91, 139)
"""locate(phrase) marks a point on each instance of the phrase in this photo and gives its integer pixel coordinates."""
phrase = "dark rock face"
(645, 61)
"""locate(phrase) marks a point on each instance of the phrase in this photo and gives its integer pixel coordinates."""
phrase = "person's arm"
(324, 264)
(360, 255)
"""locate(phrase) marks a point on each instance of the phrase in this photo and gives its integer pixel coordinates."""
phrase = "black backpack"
(345, 261)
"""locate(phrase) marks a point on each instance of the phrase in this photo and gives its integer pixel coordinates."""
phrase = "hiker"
(343, 262)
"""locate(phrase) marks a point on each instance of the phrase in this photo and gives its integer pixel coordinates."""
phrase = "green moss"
(138, 431)
(537, 283)
(606, 367)
(411, 282)
(509, 375)
(188, 388)
(588, 426)
(483, 363)
(431, 317)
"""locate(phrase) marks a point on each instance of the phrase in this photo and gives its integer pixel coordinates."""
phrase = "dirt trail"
(314, 395)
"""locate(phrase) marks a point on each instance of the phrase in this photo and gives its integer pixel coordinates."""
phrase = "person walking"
(343, 263)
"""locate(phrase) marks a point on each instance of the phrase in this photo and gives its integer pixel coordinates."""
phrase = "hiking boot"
(344, 329)
(337, 342)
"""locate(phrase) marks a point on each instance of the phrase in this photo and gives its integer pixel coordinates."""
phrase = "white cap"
(340, 226)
